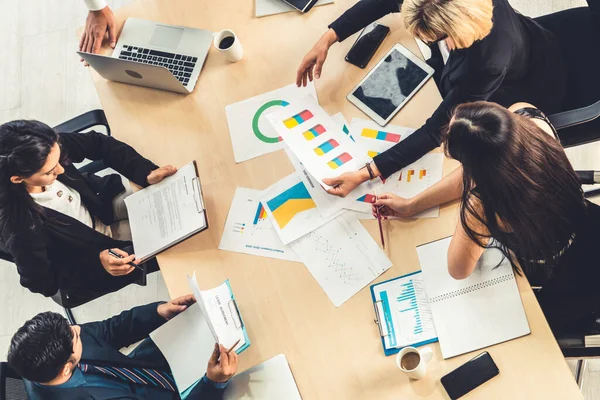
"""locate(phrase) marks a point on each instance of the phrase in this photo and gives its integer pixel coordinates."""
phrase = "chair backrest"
(11, 384)
(578, 34)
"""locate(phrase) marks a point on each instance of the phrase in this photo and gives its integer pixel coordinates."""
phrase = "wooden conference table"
(334, 353)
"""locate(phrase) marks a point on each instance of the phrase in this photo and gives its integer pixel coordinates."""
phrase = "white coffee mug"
(234, 53)
(419, 371)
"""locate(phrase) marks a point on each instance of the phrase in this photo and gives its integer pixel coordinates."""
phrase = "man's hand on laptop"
(98, 23)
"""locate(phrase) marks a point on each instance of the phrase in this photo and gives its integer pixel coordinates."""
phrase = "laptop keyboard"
(179, 65)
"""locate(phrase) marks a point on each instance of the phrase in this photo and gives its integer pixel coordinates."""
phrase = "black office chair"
(11, 384)
(80, 123)
(578, 33)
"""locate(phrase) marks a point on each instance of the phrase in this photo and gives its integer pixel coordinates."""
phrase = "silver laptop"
(155, 55)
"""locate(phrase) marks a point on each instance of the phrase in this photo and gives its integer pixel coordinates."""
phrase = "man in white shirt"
(100, 20)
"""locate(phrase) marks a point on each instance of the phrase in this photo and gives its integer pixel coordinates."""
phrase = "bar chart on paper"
(406, 312)
(248, 231)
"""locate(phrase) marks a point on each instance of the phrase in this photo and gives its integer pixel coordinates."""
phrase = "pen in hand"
(112, 253)
(233, 347)
(379, 222)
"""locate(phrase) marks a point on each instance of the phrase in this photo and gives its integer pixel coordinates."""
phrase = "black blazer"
(62, 253)
(101, 342)
(518, 61)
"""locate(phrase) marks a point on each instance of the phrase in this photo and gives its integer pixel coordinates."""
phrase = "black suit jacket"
(62, 253)
(101, 342)
(518, 61)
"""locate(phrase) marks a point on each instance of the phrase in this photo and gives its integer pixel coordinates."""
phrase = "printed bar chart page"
(406, 312)
(342, 256)
(248, 231)
(317, 140)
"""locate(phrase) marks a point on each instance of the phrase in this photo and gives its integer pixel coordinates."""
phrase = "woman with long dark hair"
(58, 224)
(517, 186)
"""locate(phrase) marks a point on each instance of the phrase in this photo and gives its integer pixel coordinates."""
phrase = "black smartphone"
(469, 375)
(367, 43)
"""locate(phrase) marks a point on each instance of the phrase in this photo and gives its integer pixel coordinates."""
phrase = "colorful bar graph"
(422, 173)
(339, 161)
(261, 213)
(372, 153)
(367, 198)
(298, 119)
(409, 175)
(314, 132)
(326, 147)
(380, 135)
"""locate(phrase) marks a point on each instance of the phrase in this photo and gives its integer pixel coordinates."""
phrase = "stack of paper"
(306, 223)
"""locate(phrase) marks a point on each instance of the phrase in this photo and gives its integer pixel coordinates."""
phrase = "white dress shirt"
(59, 197)
(95, 5)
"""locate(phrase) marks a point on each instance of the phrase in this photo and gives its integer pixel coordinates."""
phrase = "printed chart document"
(374, 139)
(292, 210)
(270, 380)
(403, 313)
(342, 256)
(408, 182)
(251, 134)
(271, 7)
(187, 341)
(317, 140)
(248, 231)
(479, 311)
(167, 213)
(343, 124)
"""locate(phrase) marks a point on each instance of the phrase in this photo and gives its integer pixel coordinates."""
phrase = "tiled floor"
(41, 78)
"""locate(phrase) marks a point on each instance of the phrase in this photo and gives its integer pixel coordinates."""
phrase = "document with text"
(166, 213)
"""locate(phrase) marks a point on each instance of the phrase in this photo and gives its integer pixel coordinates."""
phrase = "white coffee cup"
(233, 53)
(420, 369)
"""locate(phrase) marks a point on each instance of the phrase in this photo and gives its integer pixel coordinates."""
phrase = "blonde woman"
(496, 54)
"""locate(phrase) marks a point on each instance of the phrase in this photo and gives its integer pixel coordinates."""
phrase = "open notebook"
(479, 311)
(166, 213)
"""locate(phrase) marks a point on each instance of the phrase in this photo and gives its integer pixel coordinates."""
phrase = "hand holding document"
(187, 341)
(167, 213)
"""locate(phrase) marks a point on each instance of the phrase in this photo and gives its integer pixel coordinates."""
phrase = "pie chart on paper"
(259, 124)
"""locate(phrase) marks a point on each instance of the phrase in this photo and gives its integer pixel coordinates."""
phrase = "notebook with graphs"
(479, 311)
(403, 313)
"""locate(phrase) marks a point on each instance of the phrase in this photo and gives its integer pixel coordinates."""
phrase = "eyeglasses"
(444, 37)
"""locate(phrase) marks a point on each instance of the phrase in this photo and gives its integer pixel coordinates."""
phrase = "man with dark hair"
(62, 361)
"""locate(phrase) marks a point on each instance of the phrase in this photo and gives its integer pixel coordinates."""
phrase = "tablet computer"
(390, 84)
(301, 5)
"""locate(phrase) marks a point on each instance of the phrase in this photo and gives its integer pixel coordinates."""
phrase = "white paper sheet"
(187, 340)
(342, 123)
(251, 134)
(272, 7)
(248, 231)
(426, 172)
(292, 210)
(363, 131)
(318, 142)
(166, 213)
(187, 343)
(342, 256)
(476, 312)
(270, 380)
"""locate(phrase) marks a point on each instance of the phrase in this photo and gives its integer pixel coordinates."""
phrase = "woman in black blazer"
(496, 54)
(62, 242)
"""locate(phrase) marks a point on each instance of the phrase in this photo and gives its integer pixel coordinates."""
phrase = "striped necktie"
(140, 376)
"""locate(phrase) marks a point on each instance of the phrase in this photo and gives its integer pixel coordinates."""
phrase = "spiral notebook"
(479, 311)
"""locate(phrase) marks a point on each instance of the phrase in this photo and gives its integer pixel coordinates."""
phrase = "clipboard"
(236, 316)
(382, 319)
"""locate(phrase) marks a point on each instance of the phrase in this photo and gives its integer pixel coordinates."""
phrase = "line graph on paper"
(331, 257)
(342, 257)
